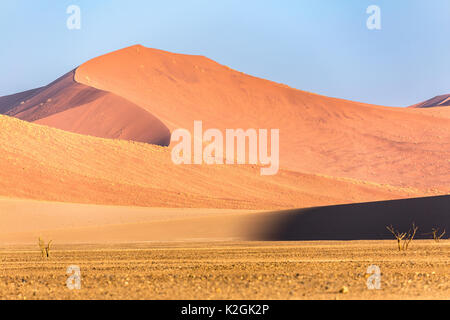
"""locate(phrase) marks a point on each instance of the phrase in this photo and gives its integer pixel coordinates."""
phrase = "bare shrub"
(45, 249)
(436, 235)
(403, 238)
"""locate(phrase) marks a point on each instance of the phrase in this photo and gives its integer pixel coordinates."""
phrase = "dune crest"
(67, 105)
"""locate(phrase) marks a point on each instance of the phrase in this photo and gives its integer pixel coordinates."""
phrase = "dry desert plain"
(86, 162)
(161, 253)
(229, 270)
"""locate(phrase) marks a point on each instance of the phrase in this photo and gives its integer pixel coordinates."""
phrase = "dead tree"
(399, 236)
(410, 236)
(403, 238)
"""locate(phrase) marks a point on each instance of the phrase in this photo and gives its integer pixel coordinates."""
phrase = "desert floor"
(228, 270)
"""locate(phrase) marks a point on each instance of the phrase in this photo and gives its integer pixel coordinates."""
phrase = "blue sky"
(322, 46)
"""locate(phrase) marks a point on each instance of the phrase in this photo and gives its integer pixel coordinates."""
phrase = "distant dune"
(438, 101)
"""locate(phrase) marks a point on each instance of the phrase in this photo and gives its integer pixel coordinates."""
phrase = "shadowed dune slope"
(74, 107)
(110, 116)
(40, 162)
(405, 147)
(358, 220)
(9, 102)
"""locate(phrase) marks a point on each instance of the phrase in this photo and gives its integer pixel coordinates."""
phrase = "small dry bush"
(45, 249)
(437, 235)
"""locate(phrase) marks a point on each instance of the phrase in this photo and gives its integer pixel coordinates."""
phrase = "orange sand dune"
(39, 162)
(437, 112)
(74, 107)
(397, 146)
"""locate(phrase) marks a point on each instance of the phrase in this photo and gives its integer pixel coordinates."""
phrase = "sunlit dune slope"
(39, 162)
(74, 107)
(404, 147)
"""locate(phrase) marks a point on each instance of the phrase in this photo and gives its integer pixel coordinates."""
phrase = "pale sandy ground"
(24, 221)
(223, 270)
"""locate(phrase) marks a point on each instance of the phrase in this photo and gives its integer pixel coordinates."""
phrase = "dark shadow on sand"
(357, 221)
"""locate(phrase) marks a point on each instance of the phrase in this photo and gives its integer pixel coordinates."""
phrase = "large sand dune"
(137, 93)
(398, 146)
